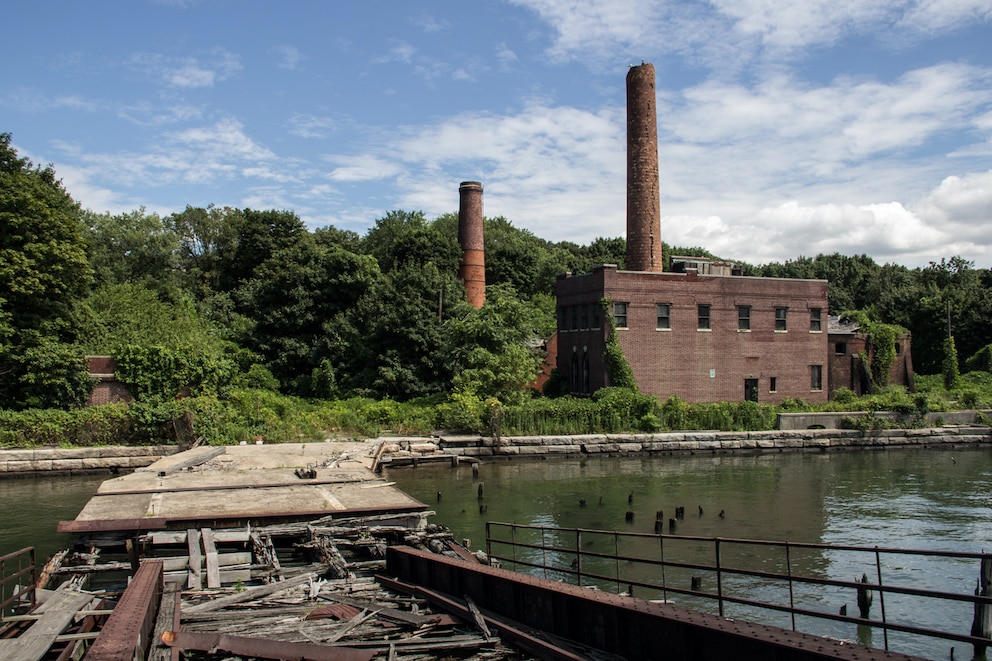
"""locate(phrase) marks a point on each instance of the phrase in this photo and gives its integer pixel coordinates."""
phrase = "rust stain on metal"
(130, 626)
(341, 612)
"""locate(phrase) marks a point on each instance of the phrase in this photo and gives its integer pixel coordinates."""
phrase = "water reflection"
(915, 498)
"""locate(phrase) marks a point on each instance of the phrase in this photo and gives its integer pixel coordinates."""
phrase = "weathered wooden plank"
(194, 460)
(33, 644)
(181, 562)
(193, 581)
(210, 550)
(249, 594)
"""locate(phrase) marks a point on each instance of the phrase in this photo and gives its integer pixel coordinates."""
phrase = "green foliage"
(493, 350)
(156, 372)
(950, 364)
(980, 360)
(880, 353)
(43, 272)
(617, 368)
(844, 396)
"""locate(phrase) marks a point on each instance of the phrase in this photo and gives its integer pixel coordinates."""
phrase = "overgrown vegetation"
(232, 324)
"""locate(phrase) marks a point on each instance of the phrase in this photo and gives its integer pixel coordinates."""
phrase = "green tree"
(494, 350)
(255, 237)
(135, 247)
(297, 301)
(395, 348)
(43, 272)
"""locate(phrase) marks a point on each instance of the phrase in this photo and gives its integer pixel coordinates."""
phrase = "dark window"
(585, 371)
(898, 348)
(816, 377)
(562, 318)
(576, 377)
(664, 316)
(703, 322)
(575, 317)
(781, 323)
(840, 348)
(743, 317)
(773, 384)
(814, 320)
(750, 390)
(620, 314)
(595, 317)
(585, 317)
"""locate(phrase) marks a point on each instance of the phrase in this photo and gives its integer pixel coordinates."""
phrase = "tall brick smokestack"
(643, 202)
(473, 267)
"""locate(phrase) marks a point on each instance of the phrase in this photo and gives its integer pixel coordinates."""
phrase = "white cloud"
(189, 72)
(310, 126)
(289, 57)
(362, 168)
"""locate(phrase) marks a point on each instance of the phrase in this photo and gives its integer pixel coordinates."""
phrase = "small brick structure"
(107, 389)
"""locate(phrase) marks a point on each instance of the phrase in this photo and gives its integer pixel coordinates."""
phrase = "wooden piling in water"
(981, 625)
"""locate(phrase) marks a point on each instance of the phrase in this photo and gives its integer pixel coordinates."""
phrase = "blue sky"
(785, 128)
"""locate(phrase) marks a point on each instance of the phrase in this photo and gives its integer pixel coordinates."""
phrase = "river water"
(913, 498)
(900, 498)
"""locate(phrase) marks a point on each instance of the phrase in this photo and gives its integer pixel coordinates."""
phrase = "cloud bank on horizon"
(785, 129)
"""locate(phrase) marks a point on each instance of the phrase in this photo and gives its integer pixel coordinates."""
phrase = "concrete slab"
(253, 482)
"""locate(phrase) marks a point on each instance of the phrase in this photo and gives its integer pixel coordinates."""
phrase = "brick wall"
(700, 365)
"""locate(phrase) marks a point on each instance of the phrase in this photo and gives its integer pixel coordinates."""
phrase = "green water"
(915, 498)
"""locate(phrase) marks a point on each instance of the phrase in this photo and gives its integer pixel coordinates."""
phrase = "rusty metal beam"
(507, 631)
(629, 627)
(262, 648)
(127, 633)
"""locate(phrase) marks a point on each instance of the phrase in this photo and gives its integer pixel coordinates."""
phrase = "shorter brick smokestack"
(473, 267)
(643, 197)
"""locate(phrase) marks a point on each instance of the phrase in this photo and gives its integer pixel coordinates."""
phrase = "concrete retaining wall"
(792, 421)
(111, 459)
(398, 451)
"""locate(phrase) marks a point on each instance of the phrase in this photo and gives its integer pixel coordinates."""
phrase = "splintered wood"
(314, 596)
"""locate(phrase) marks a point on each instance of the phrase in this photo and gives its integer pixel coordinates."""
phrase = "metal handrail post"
(881, 598)
(719, 576)
(544, 551)
(664, 582)
(616, 557)
(578, 556)
(792, 597)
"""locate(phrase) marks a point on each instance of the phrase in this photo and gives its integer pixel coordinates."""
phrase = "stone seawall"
(398, 451)
(65, 461)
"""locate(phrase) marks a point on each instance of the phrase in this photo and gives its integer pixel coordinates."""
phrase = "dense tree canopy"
(255, 297)
(44, 270)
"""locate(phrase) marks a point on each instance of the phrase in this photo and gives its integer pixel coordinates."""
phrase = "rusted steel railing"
(13, 568)
(762, 580)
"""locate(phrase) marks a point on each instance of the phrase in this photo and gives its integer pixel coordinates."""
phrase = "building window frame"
(664, 316)
(620, 314)
(816, 320)
(773, 384)
(744, 318)
(575, 318)
(781, 319)
(595, 317)
(840, 348)
(584, 317)
(703, 317)
(816, 378)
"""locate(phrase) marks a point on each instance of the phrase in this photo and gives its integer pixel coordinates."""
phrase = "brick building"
(705, 338)
(703, 331)
(846, 367)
